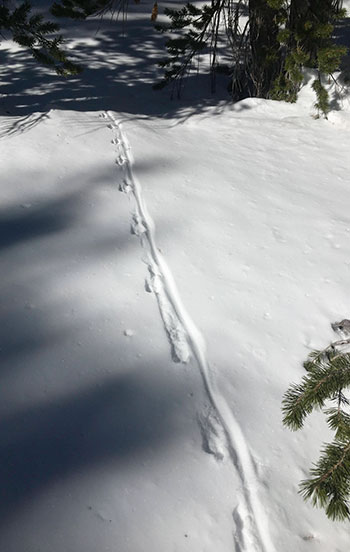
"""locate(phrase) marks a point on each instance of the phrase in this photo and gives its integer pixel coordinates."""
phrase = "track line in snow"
(251, 523)
(142, 225)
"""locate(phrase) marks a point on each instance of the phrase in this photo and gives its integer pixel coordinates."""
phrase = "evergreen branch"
(281, 37)
(323, 380)
(81, 9)
(31, 32)
(182, 50)
(339, 421)
(316, 355)
(328, 375)
(330, 486)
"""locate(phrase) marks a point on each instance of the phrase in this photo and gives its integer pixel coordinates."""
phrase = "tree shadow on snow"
(120, 68)
(90, 400)
(42, 243)
(113, 420)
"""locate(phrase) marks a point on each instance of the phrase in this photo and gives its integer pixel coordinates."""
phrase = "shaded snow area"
(166, 268)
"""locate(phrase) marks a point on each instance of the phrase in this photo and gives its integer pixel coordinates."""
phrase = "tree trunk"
(265, 49)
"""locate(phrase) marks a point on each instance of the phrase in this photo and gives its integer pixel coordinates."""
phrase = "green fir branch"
(329, 485)
(39, 36)
(322, 380)
(327, 379)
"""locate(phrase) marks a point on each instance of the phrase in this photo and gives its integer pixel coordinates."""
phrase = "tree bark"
(265, 49)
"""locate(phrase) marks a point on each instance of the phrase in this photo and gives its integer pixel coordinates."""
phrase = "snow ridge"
(252, 532)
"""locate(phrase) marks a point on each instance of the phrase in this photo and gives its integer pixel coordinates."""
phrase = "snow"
(166, 268)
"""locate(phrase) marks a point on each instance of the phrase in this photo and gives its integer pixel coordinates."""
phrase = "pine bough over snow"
(36, 34)
(328, 376)
(266, 43)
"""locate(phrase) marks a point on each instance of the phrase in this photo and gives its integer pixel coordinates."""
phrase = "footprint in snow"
(137, 226)
(125, 187)
(120, 161)
(213, 439)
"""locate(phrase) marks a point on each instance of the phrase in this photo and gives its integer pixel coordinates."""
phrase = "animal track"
(213, 437)
(180, 350)
(125, 187)
(221, 433)
(137, 225)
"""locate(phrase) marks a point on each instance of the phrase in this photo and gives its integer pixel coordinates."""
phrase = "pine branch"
(202, 28)
(324, 379)
(339, 421)
(328, 375)
(329, 488)
(33, 32)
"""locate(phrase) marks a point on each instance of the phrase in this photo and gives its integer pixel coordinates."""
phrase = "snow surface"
(166, 267)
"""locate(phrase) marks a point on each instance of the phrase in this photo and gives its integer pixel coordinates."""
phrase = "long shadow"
(119, 417)
(40, 243)
(18, 225)
(115, 420)
(36, 243)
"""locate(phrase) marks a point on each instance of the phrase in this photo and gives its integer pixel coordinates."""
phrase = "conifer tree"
(268, 54)
(326, 387)
(306, 41)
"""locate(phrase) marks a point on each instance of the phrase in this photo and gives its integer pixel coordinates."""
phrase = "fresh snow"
(166, 268)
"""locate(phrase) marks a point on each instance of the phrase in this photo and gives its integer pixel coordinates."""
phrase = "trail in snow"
(185, 339)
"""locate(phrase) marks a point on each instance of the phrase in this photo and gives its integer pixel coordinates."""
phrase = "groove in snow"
(251, 523)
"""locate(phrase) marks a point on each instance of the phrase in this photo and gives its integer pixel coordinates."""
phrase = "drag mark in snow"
(212, 434)
(180, 350)
(142, 225)
(219, 425)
